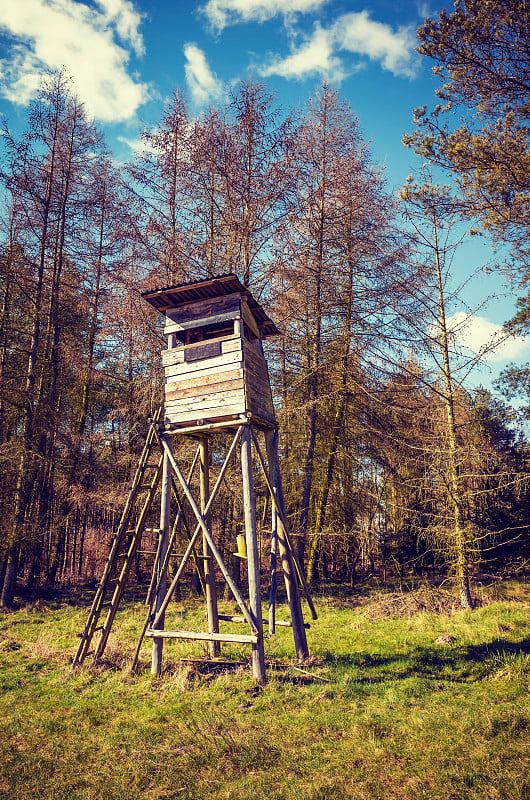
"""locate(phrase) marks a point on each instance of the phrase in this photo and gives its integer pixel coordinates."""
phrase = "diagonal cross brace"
(155, 585)
(202, 526)
(283, 520)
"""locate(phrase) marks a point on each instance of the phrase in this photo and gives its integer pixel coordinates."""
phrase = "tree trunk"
(26, 459)
(7, 596)
(315, 546)
(320, 512)
(459, 544)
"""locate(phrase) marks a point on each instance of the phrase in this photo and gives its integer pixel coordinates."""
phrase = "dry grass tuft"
(185, 678)
(405, 604)
(42, 648)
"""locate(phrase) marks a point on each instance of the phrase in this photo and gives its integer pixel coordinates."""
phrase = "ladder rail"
(131, 552)
(99, 598)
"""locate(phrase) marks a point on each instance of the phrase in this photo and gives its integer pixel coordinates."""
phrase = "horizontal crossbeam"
(283, 623)
(238, 638)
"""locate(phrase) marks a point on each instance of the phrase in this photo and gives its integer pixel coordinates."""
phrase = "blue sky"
(125, 58)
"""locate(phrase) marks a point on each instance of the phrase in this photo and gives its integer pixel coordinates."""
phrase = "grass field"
(380, 710)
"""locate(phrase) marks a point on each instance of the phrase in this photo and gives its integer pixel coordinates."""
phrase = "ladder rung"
(145, 530)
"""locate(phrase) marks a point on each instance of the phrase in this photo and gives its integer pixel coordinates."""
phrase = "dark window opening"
(207, 332)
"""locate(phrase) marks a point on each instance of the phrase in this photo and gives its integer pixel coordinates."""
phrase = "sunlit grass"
(380, 710)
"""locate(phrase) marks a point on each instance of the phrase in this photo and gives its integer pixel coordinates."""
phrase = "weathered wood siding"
(217, 378)
(204, 388)
(258, 388)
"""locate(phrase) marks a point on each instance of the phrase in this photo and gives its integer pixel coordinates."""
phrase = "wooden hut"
(214, 365)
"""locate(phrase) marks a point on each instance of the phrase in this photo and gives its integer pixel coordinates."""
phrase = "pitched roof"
(167, 297)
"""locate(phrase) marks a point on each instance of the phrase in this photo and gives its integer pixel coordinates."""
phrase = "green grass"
(379, 711)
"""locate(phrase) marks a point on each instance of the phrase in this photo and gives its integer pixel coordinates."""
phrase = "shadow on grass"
(436, 664)
(80, 596)
(498, 647)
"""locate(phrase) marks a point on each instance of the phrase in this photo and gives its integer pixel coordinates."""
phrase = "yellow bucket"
(241, 546)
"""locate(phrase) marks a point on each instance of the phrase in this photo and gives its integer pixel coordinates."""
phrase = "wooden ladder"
(123, 548)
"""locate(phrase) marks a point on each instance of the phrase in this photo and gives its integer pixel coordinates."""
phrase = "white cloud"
(316, 55)
(221, 13)
(426, 9)
(203, 84)
(127, 21)
(137, 145)
(352, 33)
(480, 334)
(357, 33)
(52, 34)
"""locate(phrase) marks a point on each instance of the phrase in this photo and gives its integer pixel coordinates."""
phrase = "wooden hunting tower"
(214, 365)
(216, 381)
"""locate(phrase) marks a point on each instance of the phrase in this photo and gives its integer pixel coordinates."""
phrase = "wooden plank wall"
(258, 388)
(205, 389)
(231, 377)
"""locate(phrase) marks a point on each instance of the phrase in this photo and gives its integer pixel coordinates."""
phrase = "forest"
(391, 466)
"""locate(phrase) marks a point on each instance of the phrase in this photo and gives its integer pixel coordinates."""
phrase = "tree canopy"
(375, 445)
(479, 128)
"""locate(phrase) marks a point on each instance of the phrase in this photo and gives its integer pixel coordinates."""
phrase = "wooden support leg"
(258, 653)
(291, 586)
(273, 577)
(158, 643)
(280, 510)
(209, 564)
